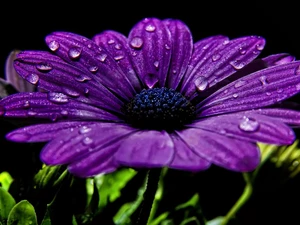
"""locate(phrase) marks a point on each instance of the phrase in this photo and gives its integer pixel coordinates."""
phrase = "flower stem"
(241, 201)
(149, 194)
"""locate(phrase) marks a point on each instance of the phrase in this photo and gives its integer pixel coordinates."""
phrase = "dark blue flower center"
(159, 108)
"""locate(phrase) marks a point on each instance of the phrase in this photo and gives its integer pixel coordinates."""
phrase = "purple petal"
(152, 54)
(223, 62)
(248, 126)
(74, 144)
(148, 148)
(51, 73)
(185, 158)
(53, 106)
(13, 77)
(42, 132)
(86, 55)
(262, 88)
(99, 161)
(182, 46)
(278, 59)
(223, 151)
(116, 46)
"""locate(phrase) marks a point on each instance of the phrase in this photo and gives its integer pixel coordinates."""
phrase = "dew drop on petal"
(84, 130)
(279, 90)
(263, 80)
(118, 46)
(242, 51)
(111, 41)
(32, 78)
(249, 124)
(118, 57)
(150, 80)
(64, 112)
(44, 67)
(31, 113)
(235, 95)
(53, 45)
(167, 47)
(268, 93)
(93, 69)
(87, 141)
(240, 83)
(71, 92)
(89, 45)
(57, 97)
(201, 83)
(136, 42)
(26, 104)
(74, 53)
(150, 28)
(86, 91)
(259, 47)
(215, 57)
(101, 57)
(236, 64)
(82, 78)
(156, 64)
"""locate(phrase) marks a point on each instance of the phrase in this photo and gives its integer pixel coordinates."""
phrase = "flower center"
(159, 108)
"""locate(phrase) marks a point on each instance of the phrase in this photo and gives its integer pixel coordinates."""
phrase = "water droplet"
(74, 53)
(26, 104)
(248, 124)
(242, 51)
(236, 64)
(201, 83)
(226, 42)
(174, 71)
(101, 57)
(150, 28)
(118, 46)
(225, 91)
(205, 47)
(32, 78)
(84, 39)
(240, 83)
(297, 70)
(136, 42)
(118, 57)
(89, 45)
(71, 92)
(215, 57)
(31, 113)
(298, 87)
(57, 97)
(279, 90)
(111, 41)
(263, 80)
(86, 91)
(53, 45)
(64, 112)
(259, 47)
(167, 47)
(134, 53)
(93, 69)
(255, 52)
(156, 64)
(44, 67)
(235, 95)
(84, 130)
(87, 141)
(268, 93)
(82, 78)
(150, 80)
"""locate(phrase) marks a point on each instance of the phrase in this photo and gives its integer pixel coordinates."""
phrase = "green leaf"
(5, 180)
(46, 219)
(7, 202)
(22, 213)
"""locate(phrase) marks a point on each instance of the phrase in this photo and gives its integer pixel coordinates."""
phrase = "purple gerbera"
(154, 99)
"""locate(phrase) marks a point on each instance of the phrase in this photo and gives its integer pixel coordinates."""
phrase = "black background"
(24, 26)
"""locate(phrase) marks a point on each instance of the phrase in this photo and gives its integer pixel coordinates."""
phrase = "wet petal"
(262, 88)
(51, 73)
(278, 59)
(74, 144)
(149, 148)
(223, 151)
(151, 58)
(182, 46)
(86, 55)
(116, 46)
(51, 106)
(43, 132)
(224, 61)
(248, 126)
(185, 158)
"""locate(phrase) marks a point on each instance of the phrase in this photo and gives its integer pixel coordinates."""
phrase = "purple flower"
(154, 99)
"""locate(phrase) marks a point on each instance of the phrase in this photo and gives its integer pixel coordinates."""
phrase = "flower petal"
(74, 144)
(262, 88)
(185, 158)
(52, 106)
(116, 46)
(147, 148)
(223, 151)
(99, 161)
(248, 126)
(42, 132)
(278, 59)
(150, 42)
(223, 62)
(182, 46)
(88, 57)
(51, 73)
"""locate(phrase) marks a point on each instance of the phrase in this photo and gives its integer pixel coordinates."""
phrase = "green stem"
(149, 195)
(241, 201)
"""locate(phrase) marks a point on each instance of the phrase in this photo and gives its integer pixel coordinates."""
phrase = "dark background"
(24, 26)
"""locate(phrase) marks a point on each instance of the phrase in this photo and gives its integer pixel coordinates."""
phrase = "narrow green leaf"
(5, 180)
(7, 202)
(22, 213)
